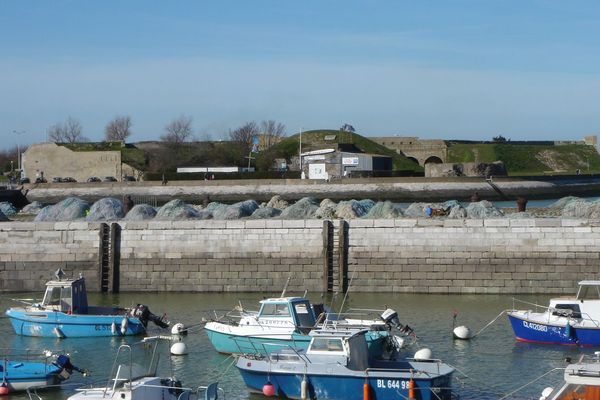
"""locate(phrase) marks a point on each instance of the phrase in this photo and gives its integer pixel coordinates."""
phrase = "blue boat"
(573, 320)
(18, 373)
(286, 321)
(64, 313)
(337, 366)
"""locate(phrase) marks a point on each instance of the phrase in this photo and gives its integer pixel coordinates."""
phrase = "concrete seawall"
(404, 255)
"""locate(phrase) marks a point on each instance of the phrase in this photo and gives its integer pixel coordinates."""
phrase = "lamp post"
(18, 133)
(300, 154)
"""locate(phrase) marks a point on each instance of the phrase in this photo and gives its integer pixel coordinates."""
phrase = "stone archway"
(413, 159)
(433, 160)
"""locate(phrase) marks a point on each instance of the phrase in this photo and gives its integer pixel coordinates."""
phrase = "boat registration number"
(102, 327)
(391, 384)
(536, 327)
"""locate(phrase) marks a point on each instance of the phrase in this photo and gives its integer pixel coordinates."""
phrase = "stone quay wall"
(403, 255)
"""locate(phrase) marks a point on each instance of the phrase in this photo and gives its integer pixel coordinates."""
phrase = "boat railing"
(259, 348)
(35, 355)
(32, 392)
(332, 320)
(567, 313)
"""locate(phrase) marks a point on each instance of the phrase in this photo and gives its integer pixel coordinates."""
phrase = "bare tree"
(272, 132)
(178, 131)
(67, 132)
(118, 129)
(244, 135)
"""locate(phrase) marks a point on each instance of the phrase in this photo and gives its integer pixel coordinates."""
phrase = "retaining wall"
(404, 255)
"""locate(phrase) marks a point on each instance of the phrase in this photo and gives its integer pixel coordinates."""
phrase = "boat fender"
(113, 328)
(268, 389)
(178, 329)
(124, 324)
(59, 334)
(179, 349)
(423, 354)
(304, 389)
(546, 393)
(411, 389)
(462, 333)
(4, 390)
(366, 391)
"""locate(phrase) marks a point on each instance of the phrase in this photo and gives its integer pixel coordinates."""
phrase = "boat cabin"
(585, 304)
(582, 382)
(296, 310)
(68, 296)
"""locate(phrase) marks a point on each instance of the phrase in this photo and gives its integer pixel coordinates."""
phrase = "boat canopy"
(349, 343)
(297, 308)
(68, 296)
(588, 290)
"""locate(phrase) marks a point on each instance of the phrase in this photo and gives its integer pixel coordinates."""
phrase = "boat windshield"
(588, 292)
(58, 298)
(275, 310)
(327, 344)
(580, 392)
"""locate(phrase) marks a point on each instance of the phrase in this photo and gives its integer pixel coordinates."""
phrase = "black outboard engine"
(390, 318)
(142, 312)
(64, 362)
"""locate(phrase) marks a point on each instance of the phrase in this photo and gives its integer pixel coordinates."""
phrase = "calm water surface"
(488, 367)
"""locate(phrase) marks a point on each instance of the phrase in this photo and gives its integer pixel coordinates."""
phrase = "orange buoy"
(366, 391)
(4, 389)
(268, 389)
(411, 389)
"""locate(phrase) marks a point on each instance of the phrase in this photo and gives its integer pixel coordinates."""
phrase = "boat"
(134, 377)
(23, 369)
(287, 321)
(337, 366)
(64, 312)
(573, 320)
(581, 382)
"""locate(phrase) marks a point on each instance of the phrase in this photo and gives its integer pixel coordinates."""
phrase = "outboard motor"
(390, 318)
(64, 362)
(142, 312)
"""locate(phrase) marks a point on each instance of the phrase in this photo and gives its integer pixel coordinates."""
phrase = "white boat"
(134, 377)
(572, 320)
(582, 382)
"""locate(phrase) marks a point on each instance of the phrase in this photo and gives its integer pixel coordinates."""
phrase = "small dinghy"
(134, 377)
(21, 370)
(64, 312)
(337, 366)
(573, 320)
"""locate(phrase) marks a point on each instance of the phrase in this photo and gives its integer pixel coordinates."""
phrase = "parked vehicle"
(69, 179)
(57, 179)
(94, 179)
(129, 178)
(110, 179)
(41, 180)
(24, 181)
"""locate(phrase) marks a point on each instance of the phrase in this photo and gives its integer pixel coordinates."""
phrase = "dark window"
(567, 310)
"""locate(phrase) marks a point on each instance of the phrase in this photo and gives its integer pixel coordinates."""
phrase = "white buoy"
(423, 354)
(124, 324)
(546, 393)
(462, 333)
(177, 328)
(113, 328)
(179, 349)
(59, 334)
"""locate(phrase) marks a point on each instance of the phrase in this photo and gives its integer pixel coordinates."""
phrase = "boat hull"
(61, 325)
(534, 331)
(24, 375)
(227, 342)
(336, 387)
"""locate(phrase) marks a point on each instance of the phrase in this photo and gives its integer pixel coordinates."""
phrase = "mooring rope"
(489, 323)
(529, 383)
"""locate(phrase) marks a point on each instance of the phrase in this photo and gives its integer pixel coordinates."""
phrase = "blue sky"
(467, 69)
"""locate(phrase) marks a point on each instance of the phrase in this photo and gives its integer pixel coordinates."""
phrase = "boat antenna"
(286, 285)
(347, 290)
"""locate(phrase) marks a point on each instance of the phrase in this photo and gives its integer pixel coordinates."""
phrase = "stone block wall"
(217, 256)
(473, 256)
(31, 252)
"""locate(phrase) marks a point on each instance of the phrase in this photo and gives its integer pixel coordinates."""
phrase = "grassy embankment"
(523, 159)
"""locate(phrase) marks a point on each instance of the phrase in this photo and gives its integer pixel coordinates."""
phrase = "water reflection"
(488, 366)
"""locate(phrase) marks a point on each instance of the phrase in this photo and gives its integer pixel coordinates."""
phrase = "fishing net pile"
(7, 209)
(69, 209)
(106, 209)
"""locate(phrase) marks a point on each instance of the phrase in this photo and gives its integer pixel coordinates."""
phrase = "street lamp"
(18, 133)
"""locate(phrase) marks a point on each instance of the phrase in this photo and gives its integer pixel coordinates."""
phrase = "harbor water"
(488, 367)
